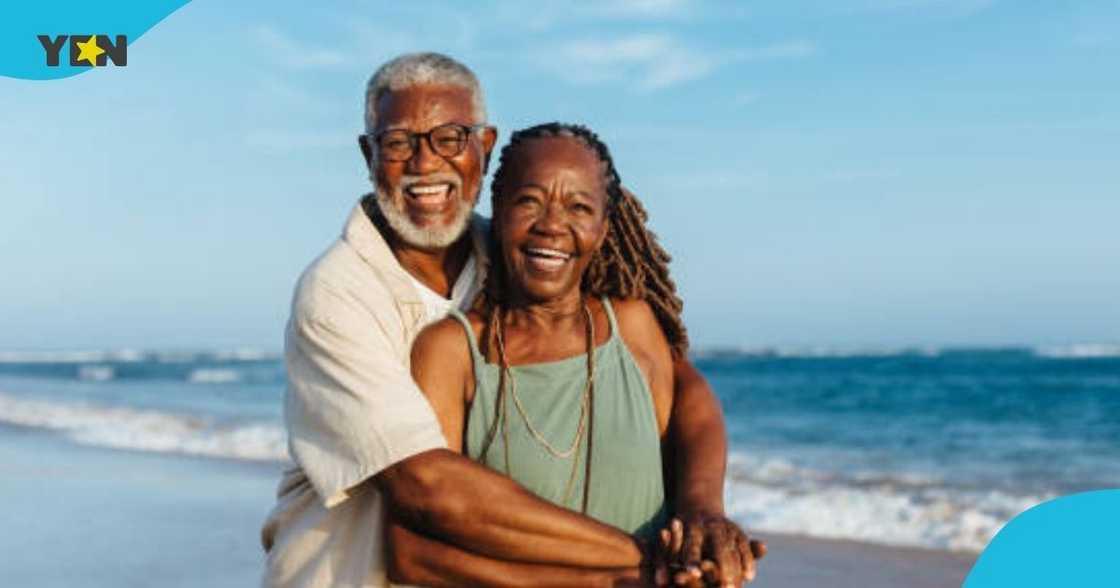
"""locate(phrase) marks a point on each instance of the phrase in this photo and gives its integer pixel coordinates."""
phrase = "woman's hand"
(706, 550)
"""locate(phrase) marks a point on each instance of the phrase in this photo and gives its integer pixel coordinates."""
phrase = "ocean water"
(929, 448)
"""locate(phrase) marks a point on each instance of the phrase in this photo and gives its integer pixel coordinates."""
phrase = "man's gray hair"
(412, 69)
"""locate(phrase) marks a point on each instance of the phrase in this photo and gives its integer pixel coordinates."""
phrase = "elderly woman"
(562, 376)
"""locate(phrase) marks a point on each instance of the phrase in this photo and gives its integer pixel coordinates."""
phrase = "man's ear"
(363, 144)
(489, 139)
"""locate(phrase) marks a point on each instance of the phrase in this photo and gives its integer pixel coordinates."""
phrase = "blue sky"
(834, 173)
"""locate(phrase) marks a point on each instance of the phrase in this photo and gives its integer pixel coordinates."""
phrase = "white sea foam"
(214, 376)
(817, 352)
(246, 354)
(911, 510)
(147, 430)
(96, 373)
(134, 355)
(1079, 351)
(121, 355)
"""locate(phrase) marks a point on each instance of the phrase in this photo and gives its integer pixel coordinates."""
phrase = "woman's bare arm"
(443, 496)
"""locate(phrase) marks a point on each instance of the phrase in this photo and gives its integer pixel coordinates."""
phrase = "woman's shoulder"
(632, 312)
(637, 324)
(444, 338)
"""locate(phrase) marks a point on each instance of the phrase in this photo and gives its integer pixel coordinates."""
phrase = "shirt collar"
(364, 237)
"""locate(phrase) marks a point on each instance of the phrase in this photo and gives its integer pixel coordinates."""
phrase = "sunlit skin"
(428, 188)
(552, 219)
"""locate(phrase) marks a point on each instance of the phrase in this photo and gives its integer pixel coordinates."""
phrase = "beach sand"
(804, 562)
(84, 516)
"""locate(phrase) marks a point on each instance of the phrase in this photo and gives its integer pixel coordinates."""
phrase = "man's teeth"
(550, 253)
(430, 190)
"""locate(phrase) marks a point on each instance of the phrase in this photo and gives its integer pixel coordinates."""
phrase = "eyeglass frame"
(373, 139)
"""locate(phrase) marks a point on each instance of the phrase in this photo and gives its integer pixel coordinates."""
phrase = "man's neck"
(435, 268)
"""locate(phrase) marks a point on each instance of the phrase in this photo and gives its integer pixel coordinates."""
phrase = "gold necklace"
(585, 408)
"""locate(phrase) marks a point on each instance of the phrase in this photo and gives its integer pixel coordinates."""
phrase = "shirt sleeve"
(352, 408)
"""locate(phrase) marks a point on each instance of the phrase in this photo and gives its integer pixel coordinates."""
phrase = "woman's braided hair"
(630, 264)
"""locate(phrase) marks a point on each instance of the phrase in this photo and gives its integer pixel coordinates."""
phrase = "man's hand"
(706, 550)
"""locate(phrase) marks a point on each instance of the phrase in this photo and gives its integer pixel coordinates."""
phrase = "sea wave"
(96, 373)
(214, 376)
(1079, 351)
(771, 494)
(814, 352)
(72, 357)
(148, 430)
(135, 356)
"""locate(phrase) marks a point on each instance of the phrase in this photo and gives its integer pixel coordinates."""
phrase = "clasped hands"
(703, 550)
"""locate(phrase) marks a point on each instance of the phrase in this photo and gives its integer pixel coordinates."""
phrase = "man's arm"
(697, 444)
(449, 497)
(696, 453)
(442, 495)
(355, 416)
(422, 561)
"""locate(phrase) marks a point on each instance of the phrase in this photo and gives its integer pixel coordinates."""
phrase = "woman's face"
(553, 216)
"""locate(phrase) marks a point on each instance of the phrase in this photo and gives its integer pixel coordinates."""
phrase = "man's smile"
(430, 198)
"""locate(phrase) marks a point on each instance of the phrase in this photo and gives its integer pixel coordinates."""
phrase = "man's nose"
(424, 160)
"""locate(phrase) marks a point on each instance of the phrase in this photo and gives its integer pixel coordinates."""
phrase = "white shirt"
(462, 293)
(352, 408)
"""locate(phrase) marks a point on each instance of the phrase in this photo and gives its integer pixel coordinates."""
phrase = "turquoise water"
(933, 448)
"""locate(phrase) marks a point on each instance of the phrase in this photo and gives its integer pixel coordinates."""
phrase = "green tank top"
(626, 488)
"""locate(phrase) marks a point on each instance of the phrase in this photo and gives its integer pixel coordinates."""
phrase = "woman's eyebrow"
(532, 185)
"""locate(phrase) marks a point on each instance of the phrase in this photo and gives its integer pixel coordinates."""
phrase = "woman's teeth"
(553, 253)
(547, 259)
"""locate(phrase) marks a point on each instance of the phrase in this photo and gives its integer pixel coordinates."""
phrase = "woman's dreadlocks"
(630, 264)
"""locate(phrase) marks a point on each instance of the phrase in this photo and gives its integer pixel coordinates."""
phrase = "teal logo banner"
(54, 40)
(1068, 541)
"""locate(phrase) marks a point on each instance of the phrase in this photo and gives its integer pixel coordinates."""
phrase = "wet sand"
(75, 515)
(804, 562)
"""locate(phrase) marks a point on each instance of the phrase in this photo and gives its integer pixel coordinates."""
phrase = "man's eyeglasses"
(446, 140)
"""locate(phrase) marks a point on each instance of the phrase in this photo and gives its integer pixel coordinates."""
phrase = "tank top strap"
(476, 355)
(611, 319)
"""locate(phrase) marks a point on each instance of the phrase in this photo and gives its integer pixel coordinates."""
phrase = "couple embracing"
(494, 403)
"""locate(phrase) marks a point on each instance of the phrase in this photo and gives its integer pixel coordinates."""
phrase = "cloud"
(1091, 40)
(292, 53)
(746, 98)
(950, 7)
(287, 141)
(642, 8)
(655, 61)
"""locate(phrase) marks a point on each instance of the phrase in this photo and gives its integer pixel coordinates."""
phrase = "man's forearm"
(444, 495)
(415, 559)
(697, 443)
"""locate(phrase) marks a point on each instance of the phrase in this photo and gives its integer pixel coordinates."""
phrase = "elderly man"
(362, 435)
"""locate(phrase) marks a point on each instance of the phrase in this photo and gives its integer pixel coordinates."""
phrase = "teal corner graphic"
(54, 40)
(1068, 541)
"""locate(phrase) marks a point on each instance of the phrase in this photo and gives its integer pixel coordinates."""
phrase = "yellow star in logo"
(89, 51)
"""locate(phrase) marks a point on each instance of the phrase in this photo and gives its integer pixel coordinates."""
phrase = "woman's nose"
(553, 219)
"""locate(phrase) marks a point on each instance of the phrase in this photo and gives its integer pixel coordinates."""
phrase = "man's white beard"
(432, 237)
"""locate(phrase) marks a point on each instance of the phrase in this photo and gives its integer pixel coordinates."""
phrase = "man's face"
(427, 199)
